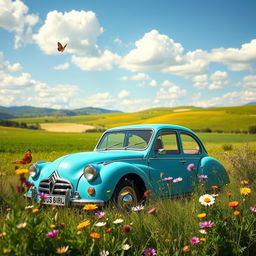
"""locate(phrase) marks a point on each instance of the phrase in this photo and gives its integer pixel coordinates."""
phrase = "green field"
(25, 231)
(227, 119)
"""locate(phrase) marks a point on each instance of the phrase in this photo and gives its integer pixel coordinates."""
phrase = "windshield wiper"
(135, 144)
(113, 145)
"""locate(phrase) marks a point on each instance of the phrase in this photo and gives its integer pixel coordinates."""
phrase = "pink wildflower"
(202, 177)
(191, 167)
(206, 224)
(152, 211)
(99, 215)
(194, 240)
(52, 233)
(253, 209)
(149, 252)
(43, 196)
(177, 180)
(168, 179)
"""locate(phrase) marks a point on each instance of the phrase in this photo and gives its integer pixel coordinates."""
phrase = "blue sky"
(127, 55)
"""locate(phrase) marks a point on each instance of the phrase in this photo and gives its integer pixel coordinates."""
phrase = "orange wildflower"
(90, 207)
(233, 204)
(186, 248)
(236, 213)
(62, 250)
(244, 182)
(95, 235)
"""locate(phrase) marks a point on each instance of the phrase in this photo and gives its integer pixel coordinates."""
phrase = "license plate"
(55, 200)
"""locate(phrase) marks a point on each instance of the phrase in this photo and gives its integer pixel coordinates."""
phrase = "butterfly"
(26, 159)
(61, 48)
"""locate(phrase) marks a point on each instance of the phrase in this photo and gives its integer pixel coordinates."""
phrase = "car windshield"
(125, 139)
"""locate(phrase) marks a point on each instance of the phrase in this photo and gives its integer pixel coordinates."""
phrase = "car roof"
(156, 127)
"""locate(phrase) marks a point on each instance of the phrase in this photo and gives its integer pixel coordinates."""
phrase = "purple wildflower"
(43, 196)
(191, 167)
(177, 180)
(206, 224)
(202, 177)
(99, 215)
(149, 252)
(194, 240)
(53, 233)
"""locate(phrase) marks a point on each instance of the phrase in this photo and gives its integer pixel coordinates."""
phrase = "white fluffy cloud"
(236, 59)
(63, 66)
(248, 81)
(104, 62)
(228, 99)
(79, 29)
(171, 93)
(215, 81)
(123, 94)
(14, 17)
(153, 52)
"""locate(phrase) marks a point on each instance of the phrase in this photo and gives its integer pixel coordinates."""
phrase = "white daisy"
(100, 224)
(206, 199)
(126, 247)
(118, 221)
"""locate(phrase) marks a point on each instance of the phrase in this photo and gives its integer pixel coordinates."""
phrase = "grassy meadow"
(184, 226)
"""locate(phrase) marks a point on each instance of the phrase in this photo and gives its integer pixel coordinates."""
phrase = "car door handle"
(183, 161)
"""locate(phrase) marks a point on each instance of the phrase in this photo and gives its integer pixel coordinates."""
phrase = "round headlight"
(90, 172)
(33, 170)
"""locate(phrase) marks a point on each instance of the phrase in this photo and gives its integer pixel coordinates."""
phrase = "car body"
(127, 161)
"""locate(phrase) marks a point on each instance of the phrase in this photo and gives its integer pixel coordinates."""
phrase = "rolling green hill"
(227, 119)
(28, 111)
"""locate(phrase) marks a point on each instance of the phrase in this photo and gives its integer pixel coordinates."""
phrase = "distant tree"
(252, 129)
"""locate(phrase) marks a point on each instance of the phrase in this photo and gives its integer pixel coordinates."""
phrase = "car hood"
(72, 166)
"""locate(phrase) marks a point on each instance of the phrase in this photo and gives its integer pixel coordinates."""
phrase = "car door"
(192, 152)
(167, 165)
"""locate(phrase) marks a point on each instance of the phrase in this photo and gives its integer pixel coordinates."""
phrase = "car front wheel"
(126, 194)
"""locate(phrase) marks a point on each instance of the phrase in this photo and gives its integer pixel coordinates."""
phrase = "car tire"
(126, 194)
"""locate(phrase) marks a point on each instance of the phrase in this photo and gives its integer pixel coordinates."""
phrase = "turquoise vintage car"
(127, 161)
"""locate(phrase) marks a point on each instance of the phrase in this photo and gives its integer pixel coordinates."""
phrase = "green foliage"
(252, 129)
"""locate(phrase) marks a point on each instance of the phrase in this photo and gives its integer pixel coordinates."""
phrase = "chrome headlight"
(90, 172)
(33, 170)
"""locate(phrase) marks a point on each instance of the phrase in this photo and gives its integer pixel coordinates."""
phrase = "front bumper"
(68, 200)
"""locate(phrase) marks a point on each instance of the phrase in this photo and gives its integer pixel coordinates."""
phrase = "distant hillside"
(227, 119)
(29, 112)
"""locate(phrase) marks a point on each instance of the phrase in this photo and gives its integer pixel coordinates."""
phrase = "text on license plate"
(56, 200)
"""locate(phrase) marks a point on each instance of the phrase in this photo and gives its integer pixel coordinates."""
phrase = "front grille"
(54, 185)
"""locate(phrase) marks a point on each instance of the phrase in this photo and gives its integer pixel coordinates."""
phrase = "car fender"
(108, 177)
(215, 171)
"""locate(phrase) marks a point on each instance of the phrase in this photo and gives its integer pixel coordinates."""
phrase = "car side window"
(167, 143)
(189, 144)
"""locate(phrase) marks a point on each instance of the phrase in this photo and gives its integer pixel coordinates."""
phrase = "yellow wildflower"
(90, 207)
(52, 226)
(244, 182)
(5, 251)
(83, 224)
(245, 191)
(21, 171)
(201, 215)
(36, 210)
